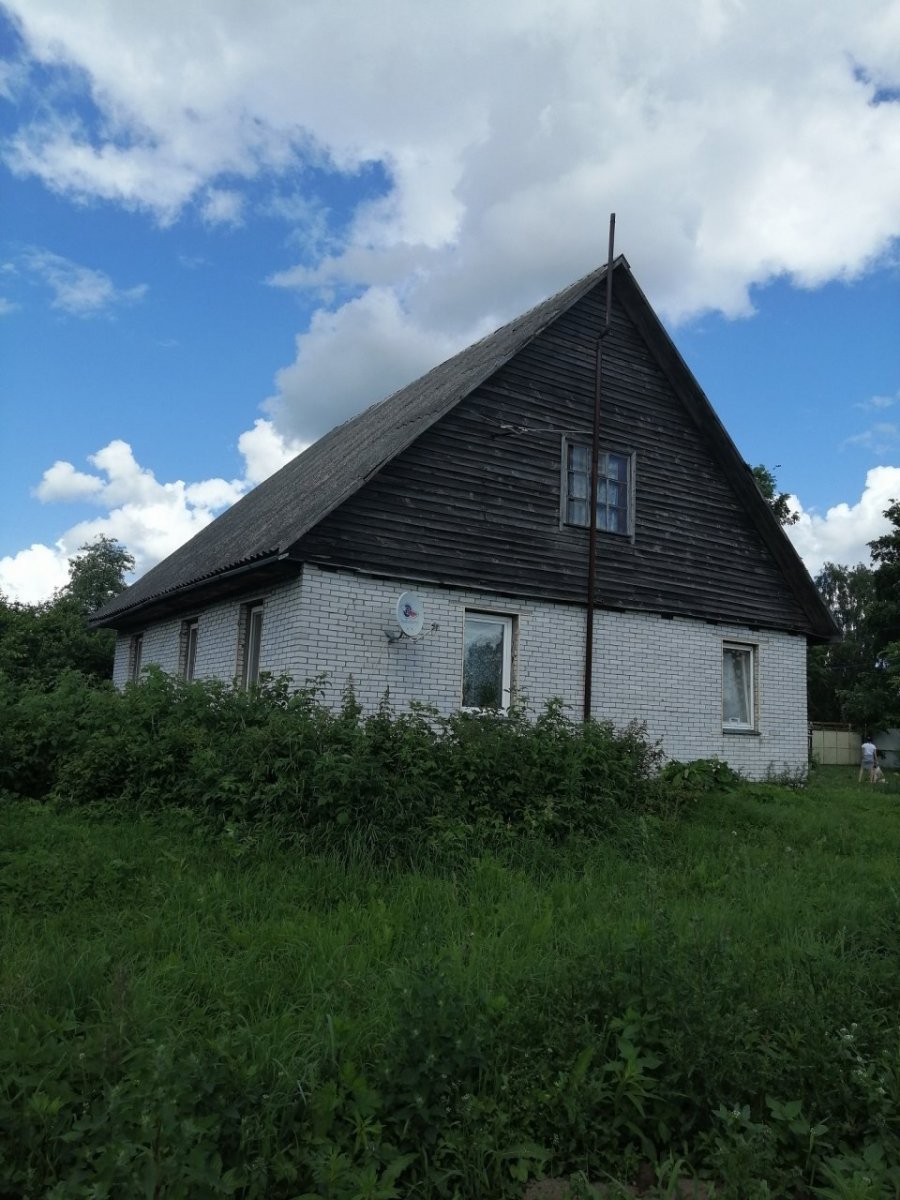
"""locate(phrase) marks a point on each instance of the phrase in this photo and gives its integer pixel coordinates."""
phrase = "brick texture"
(666, 673)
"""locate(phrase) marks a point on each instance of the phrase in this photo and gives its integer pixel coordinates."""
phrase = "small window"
(190, 631)
(487, 661)
(135, 654)
(738, 691)
(251, 631)
(613, 489)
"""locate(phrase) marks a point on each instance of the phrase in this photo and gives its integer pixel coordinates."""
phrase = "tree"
(883, 621)
(777, 501)
(835, 671)
(858, 681)
(97, 573)
(40, 641)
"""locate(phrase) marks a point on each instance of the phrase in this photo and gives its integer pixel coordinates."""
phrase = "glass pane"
(254, 638)
(577, 512)
(579, 458)
(483, 663)
(736, 687)
(191, 651)
(578, 484)
(612, 489)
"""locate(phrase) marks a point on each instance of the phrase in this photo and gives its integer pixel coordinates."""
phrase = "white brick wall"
(667, 673)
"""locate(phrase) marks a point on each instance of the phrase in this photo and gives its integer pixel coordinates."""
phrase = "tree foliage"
(40, 641)
(858, 681)
(779, 502)
(96, 574)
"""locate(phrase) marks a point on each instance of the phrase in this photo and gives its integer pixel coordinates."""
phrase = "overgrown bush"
(392, 784)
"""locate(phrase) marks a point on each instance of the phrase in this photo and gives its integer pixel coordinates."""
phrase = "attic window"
(614, 494)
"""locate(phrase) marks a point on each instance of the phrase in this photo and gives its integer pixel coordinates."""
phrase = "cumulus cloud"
(33, 575)
(505, 133)
(842, 534)
(389, 352)
(63, 482)
(150, 517)
(78, 290)
(265, 450)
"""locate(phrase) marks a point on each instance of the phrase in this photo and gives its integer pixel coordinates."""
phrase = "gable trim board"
(303, 512)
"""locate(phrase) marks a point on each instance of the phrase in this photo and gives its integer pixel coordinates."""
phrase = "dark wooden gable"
(475, 500)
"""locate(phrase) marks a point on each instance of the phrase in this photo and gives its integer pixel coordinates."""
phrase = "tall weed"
(392, 784)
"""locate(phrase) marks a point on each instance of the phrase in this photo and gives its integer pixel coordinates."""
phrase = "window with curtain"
(738, 704)
(487, 661)
(613, 493)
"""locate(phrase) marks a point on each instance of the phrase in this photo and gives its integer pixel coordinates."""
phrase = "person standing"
(868, 760)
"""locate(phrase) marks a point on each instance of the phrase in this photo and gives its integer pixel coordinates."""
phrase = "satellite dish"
(410, 612)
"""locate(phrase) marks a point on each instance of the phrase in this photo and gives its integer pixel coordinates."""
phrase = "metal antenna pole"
(592, 483)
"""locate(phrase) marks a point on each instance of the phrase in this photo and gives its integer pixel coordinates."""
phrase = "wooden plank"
(473, 505)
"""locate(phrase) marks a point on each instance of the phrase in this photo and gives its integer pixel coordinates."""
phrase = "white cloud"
(732, 153)
(7, 307)
(77, 290)
(738, 143)
(222, 207)
(843, 533)
(389, 351)
(265, 451)
(881, 438)
(879, 403)
(149, 517)
(506, 132)
(34, 574)
(63, 482)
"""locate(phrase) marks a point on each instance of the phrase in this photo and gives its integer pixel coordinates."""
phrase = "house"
(470, 487)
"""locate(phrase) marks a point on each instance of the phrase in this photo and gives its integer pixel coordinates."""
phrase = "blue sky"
(228, 227)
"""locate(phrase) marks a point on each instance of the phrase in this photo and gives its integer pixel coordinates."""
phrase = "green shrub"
(394, 785)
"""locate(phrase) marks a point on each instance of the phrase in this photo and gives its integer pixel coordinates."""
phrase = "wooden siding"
(475, 501)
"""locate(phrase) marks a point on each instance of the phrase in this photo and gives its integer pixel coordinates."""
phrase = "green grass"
(188, 1013)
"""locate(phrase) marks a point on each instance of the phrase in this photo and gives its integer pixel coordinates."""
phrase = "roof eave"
(183, 596)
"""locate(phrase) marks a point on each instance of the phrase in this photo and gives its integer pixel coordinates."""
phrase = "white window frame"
(251, 642)
(751, 652)
(570, 443)
(508, 624)
(190, 634)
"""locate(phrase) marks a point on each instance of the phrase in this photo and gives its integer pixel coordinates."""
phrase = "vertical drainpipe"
(592, 484)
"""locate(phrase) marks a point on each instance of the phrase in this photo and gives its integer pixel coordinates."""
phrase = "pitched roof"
(267, 521)
(259, 531)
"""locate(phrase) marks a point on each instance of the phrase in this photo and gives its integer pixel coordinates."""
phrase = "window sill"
(741, 732)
